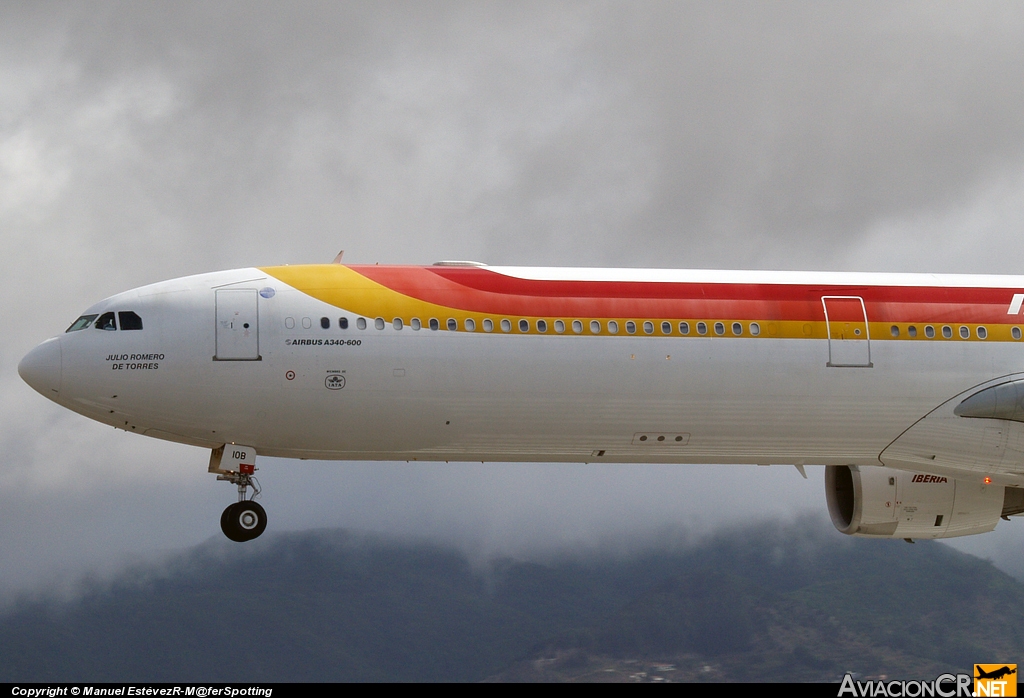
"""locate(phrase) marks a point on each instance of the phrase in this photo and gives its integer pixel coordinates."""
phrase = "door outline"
(254, 308)
(867, 333)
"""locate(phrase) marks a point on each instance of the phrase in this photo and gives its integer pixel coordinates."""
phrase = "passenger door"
(849, 344)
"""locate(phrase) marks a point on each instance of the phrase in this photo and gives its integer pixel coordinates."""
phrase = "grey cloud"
(595, 133)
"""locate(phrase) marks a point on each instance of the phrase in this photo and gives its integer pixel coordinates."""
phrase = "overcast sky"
(145, 141)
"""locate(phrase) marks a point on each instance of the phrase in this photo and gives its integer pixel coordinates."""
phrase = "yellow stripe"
(343, 288)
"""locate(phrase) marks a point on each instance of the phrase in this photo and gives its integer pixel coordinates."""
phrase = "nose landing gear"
(245, 519)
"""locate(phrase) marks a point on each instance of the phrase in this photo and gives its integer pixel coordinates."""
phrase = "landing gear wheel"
(243, 521)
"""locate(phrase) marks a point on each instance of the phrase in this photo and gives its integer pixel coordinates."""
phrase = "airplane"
(995, 674)
(908, 388)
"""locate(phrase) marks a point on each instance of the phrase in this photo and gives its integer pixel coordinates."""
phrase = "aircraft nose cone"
(41, 368)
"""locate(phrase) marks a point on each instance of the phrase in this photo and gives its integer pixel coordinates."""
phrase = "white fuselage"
(418, 394)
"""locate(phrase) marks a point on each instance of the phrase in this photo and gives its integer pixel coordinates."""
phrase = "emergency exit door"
(849, 343)
(238, 333)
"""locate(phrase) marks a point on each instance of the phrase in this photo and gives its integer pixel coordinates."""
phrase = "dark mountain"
(765, 602)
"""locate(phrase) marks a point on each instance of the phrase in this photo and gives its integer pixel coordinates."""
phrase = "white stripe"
(708, 276)
(1018, 299)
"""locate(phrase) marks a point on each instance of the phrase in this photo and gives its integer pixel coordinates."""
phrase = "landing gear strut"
(245, 519)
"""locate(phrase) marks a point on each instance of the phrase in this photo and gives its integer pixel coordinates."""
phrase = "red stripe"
(483, 291)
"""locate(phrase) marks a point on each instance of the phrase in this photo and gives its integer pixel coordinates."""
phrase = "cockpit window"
(81, 323)
(129, 320)
(106, 322)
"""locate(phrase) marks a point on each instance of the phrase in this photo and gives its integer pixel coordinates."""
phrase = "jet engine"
(881, 502)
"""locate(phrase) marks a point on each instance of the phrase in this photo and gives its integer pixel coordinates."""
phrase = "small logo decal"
(335, 381)
(995, 680)
(267, 292)
(290, 375)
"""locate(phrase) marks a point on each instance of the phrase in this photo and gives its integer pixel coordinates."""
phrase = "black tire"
(244, 521)
(230, 527)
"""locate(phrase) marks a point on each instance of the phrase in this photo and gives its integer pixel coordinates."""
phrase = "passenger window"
(947, 331)
(559, 326)
(613, 327)
(595, 327)
(929, 331)
(577, 326)
(965, 332)
(81, 323)
(506, 326)
(684, 328)
(378, 323)
(289, 323)
(453, 324)
(719, 329)
(524, 326)
(542, 326)
(434, 324)
(1015, 333)
(106, 322)
(361, 323)
(470, 324)
(894, 331)
(648, 327)
(755, 329)
(343, 323)
(737, 329)
(631, 327)
(982, 333)
(306, 323)
(325, 323)
(488, 325)
(415, 323)
(702, 328)
(666, 328)
(397, 323)
(911, 331)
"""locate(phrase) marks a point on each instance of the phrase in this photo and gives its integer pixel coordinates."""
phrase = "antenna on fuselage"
(337, 260)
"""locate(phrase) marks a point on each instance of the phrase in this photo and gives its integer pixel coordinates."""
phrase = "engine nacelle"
(886, 503)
